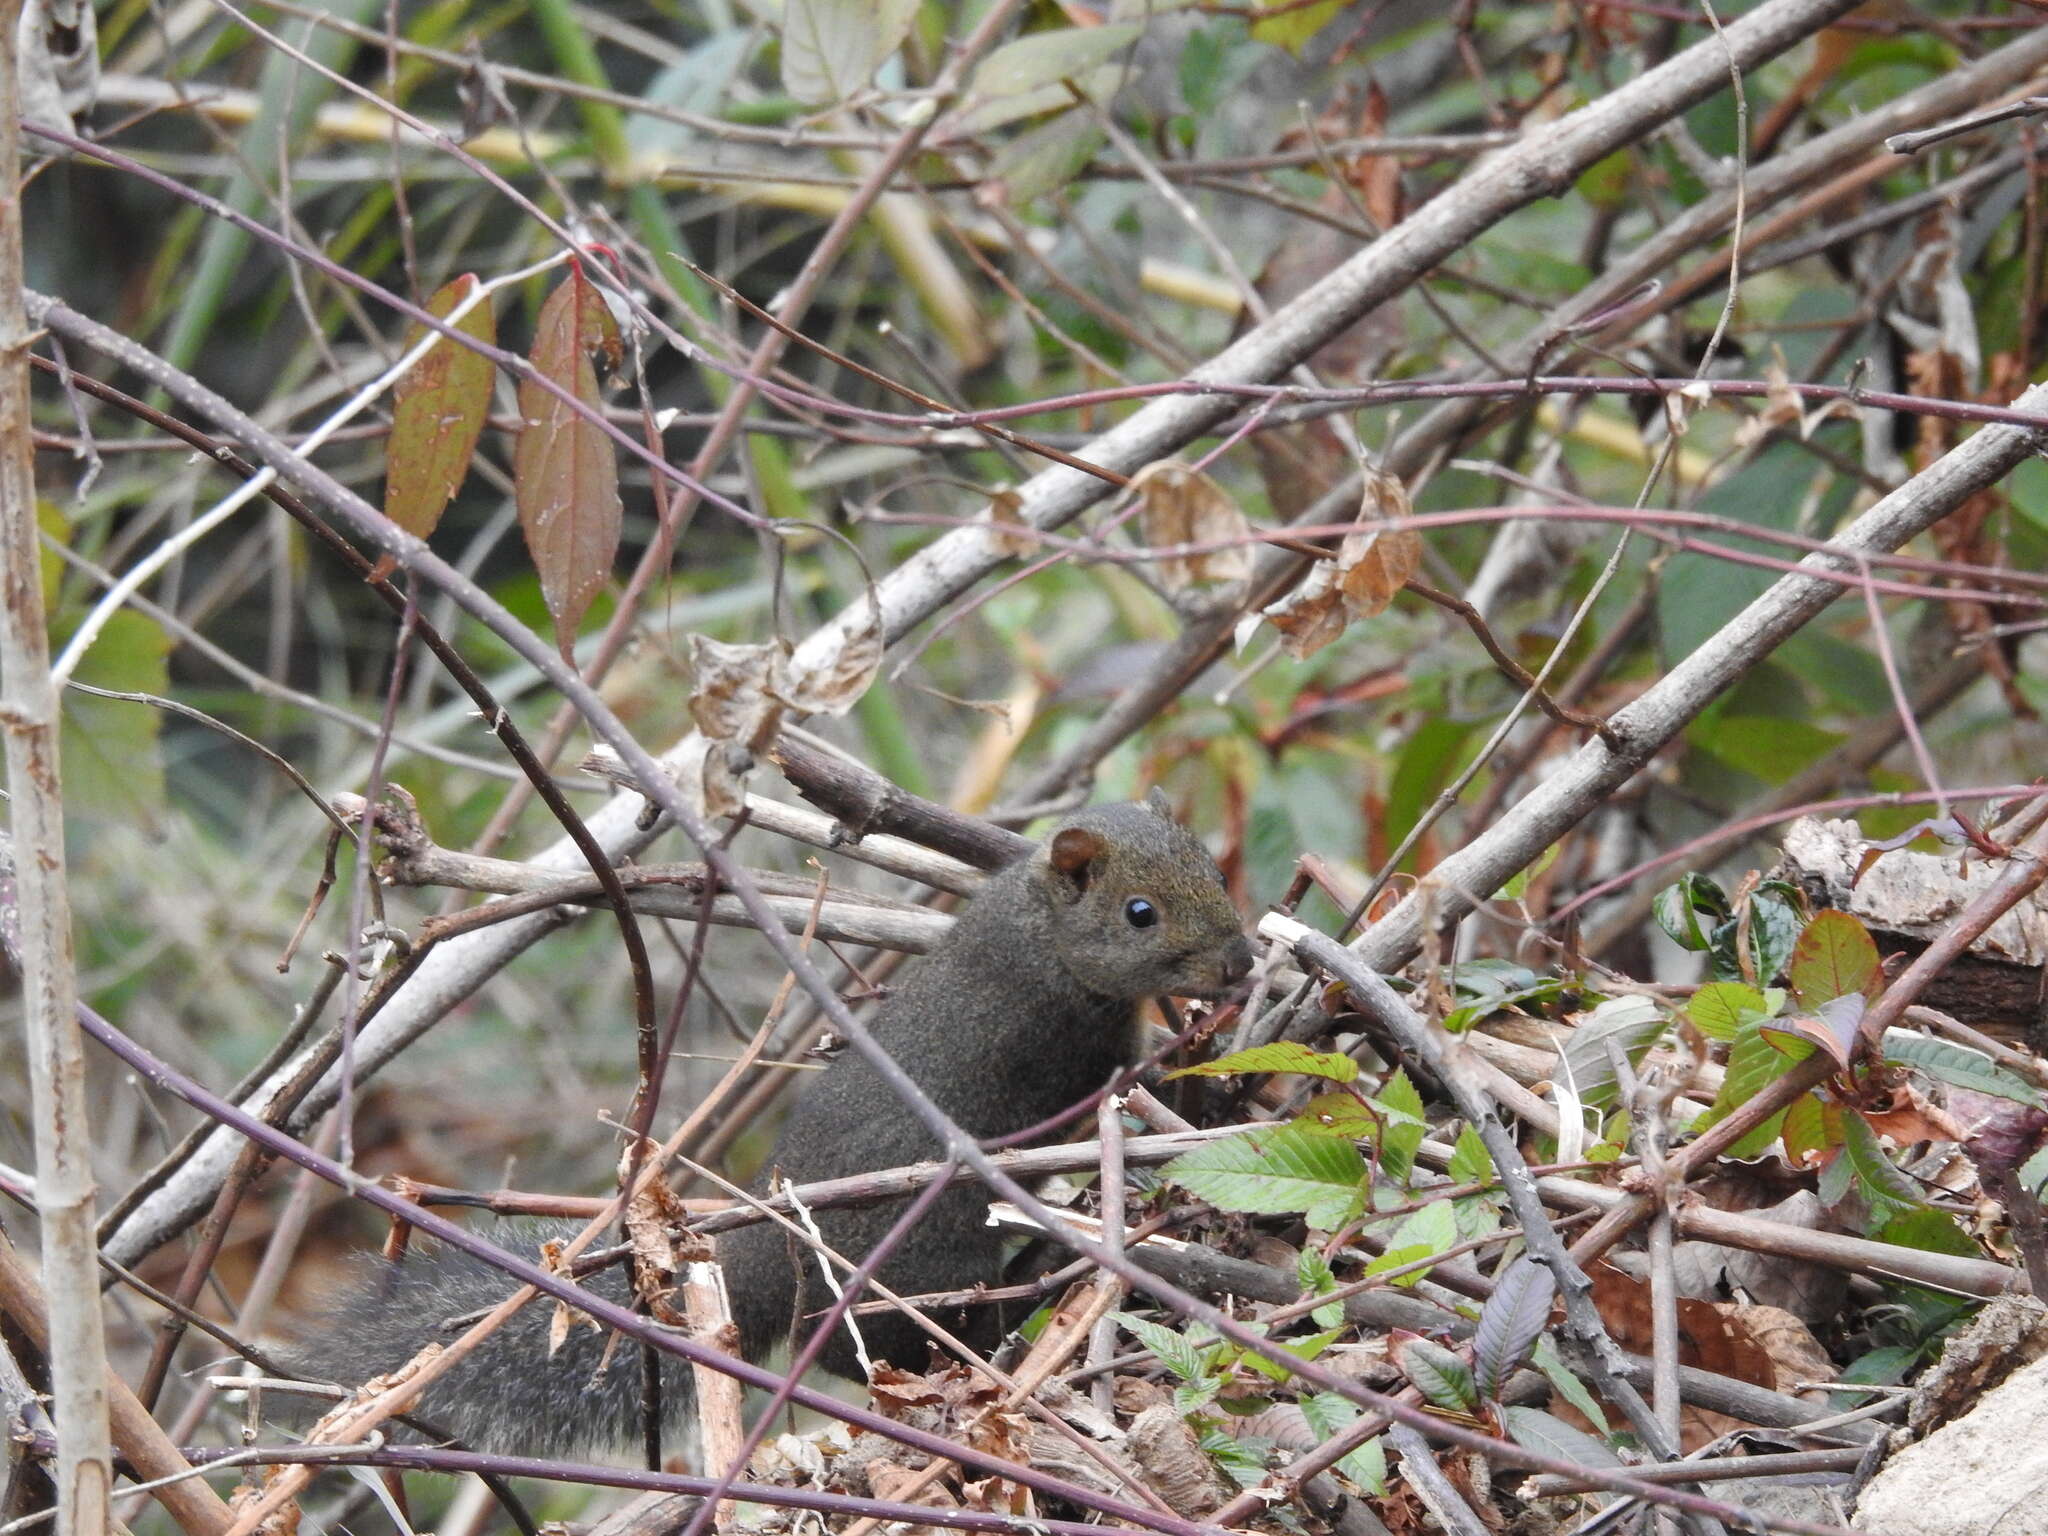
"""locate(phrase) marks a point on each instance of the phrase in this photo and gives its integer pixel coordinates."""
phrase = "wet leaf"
(564, 471)
(438, 412)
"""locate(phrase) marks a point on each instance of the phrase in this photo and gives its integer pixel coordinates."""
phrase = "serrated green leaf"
(1405, 1128)
(1329, 1415)
(1318, 1279)
(1957, 1064)
(1283, 1171)
(1189, 1359)
(1470, 1162)
(1930, 1231)
(1285, 1056)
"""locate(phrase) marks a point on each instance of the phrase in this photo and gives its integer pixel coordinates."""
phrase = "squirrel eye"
(1140, 913)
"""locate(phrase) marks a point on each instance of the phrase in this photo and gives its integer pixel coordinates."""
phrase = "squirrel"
(1027, 1007)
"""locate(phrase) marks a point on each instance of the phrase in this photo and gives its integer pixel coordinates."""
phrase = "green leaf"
(1773, 932)
(110, 750)
(1307, 1348)
(1443, 1379)
(1405, 1129)
(1318, 1279)
(1548, 1435)
(1886, 1190)
(1774, 748)
(1632, 1023)
(832, 48)
(1329, 1415)
(1041, 59)
(1044, 159)
(1688, 910)
(1930, 1231)
(1812, 1127)
(2033, 1174)
(1834, 956)
(1189, 1359)
(1753, 1063)
(1282, 1057)
(1470, 1162)
(1957, 1064)
(1283, 1171)
(437, 413)
(1294, 28)
(1547, 1360)
(1719, 1008)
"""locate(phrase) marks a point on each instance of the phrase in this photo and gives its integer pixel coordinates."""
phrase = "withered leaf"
(836, 686)
(1369, 570)
(1004, 513)
(734, 698)
(1179, 505)
(564, 473)
(438, 412)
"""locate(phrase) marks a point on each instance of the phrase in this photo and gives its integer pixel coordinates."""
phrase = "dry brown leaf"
(1369, 570)
(705, 775)
(734, 697)
(1179, 505)
(1312, 615)
(836, 687)
(1004, 512)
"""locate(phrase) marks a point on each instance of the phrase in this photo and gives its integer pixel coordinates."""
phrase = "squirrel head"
(1137, 906)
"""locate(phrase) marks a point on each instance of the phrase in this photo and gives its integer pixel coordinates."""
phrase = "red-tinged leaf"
(1833, 957)
(564, 471)
(438, 413)
(1811, 1127)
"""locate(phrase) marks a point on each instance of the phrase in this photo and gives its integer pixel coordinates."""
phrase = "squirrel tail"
(510, 1395)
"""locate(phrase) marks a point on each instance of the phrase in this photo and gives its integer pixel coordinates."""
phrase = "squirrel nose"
(1237, 960)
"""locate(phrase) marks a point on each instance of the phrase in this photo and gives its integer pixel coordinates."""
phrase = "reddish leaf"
(1833, 957)
(1812, 1127)
(437, 414)
(564, 472)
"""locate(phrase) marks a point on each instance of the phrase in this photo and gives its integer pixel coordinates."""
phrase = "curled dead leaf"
(1179, 505)
(735, 697)
(836, 687)
(1005, 512)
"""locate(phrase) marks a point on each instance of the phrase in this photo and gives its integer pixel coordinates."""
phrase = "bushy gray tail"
(510, 1395)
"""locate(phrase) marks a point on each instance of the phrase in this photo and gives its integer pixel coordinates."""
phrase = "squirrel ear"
(1157, 803)
(1071, 852)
